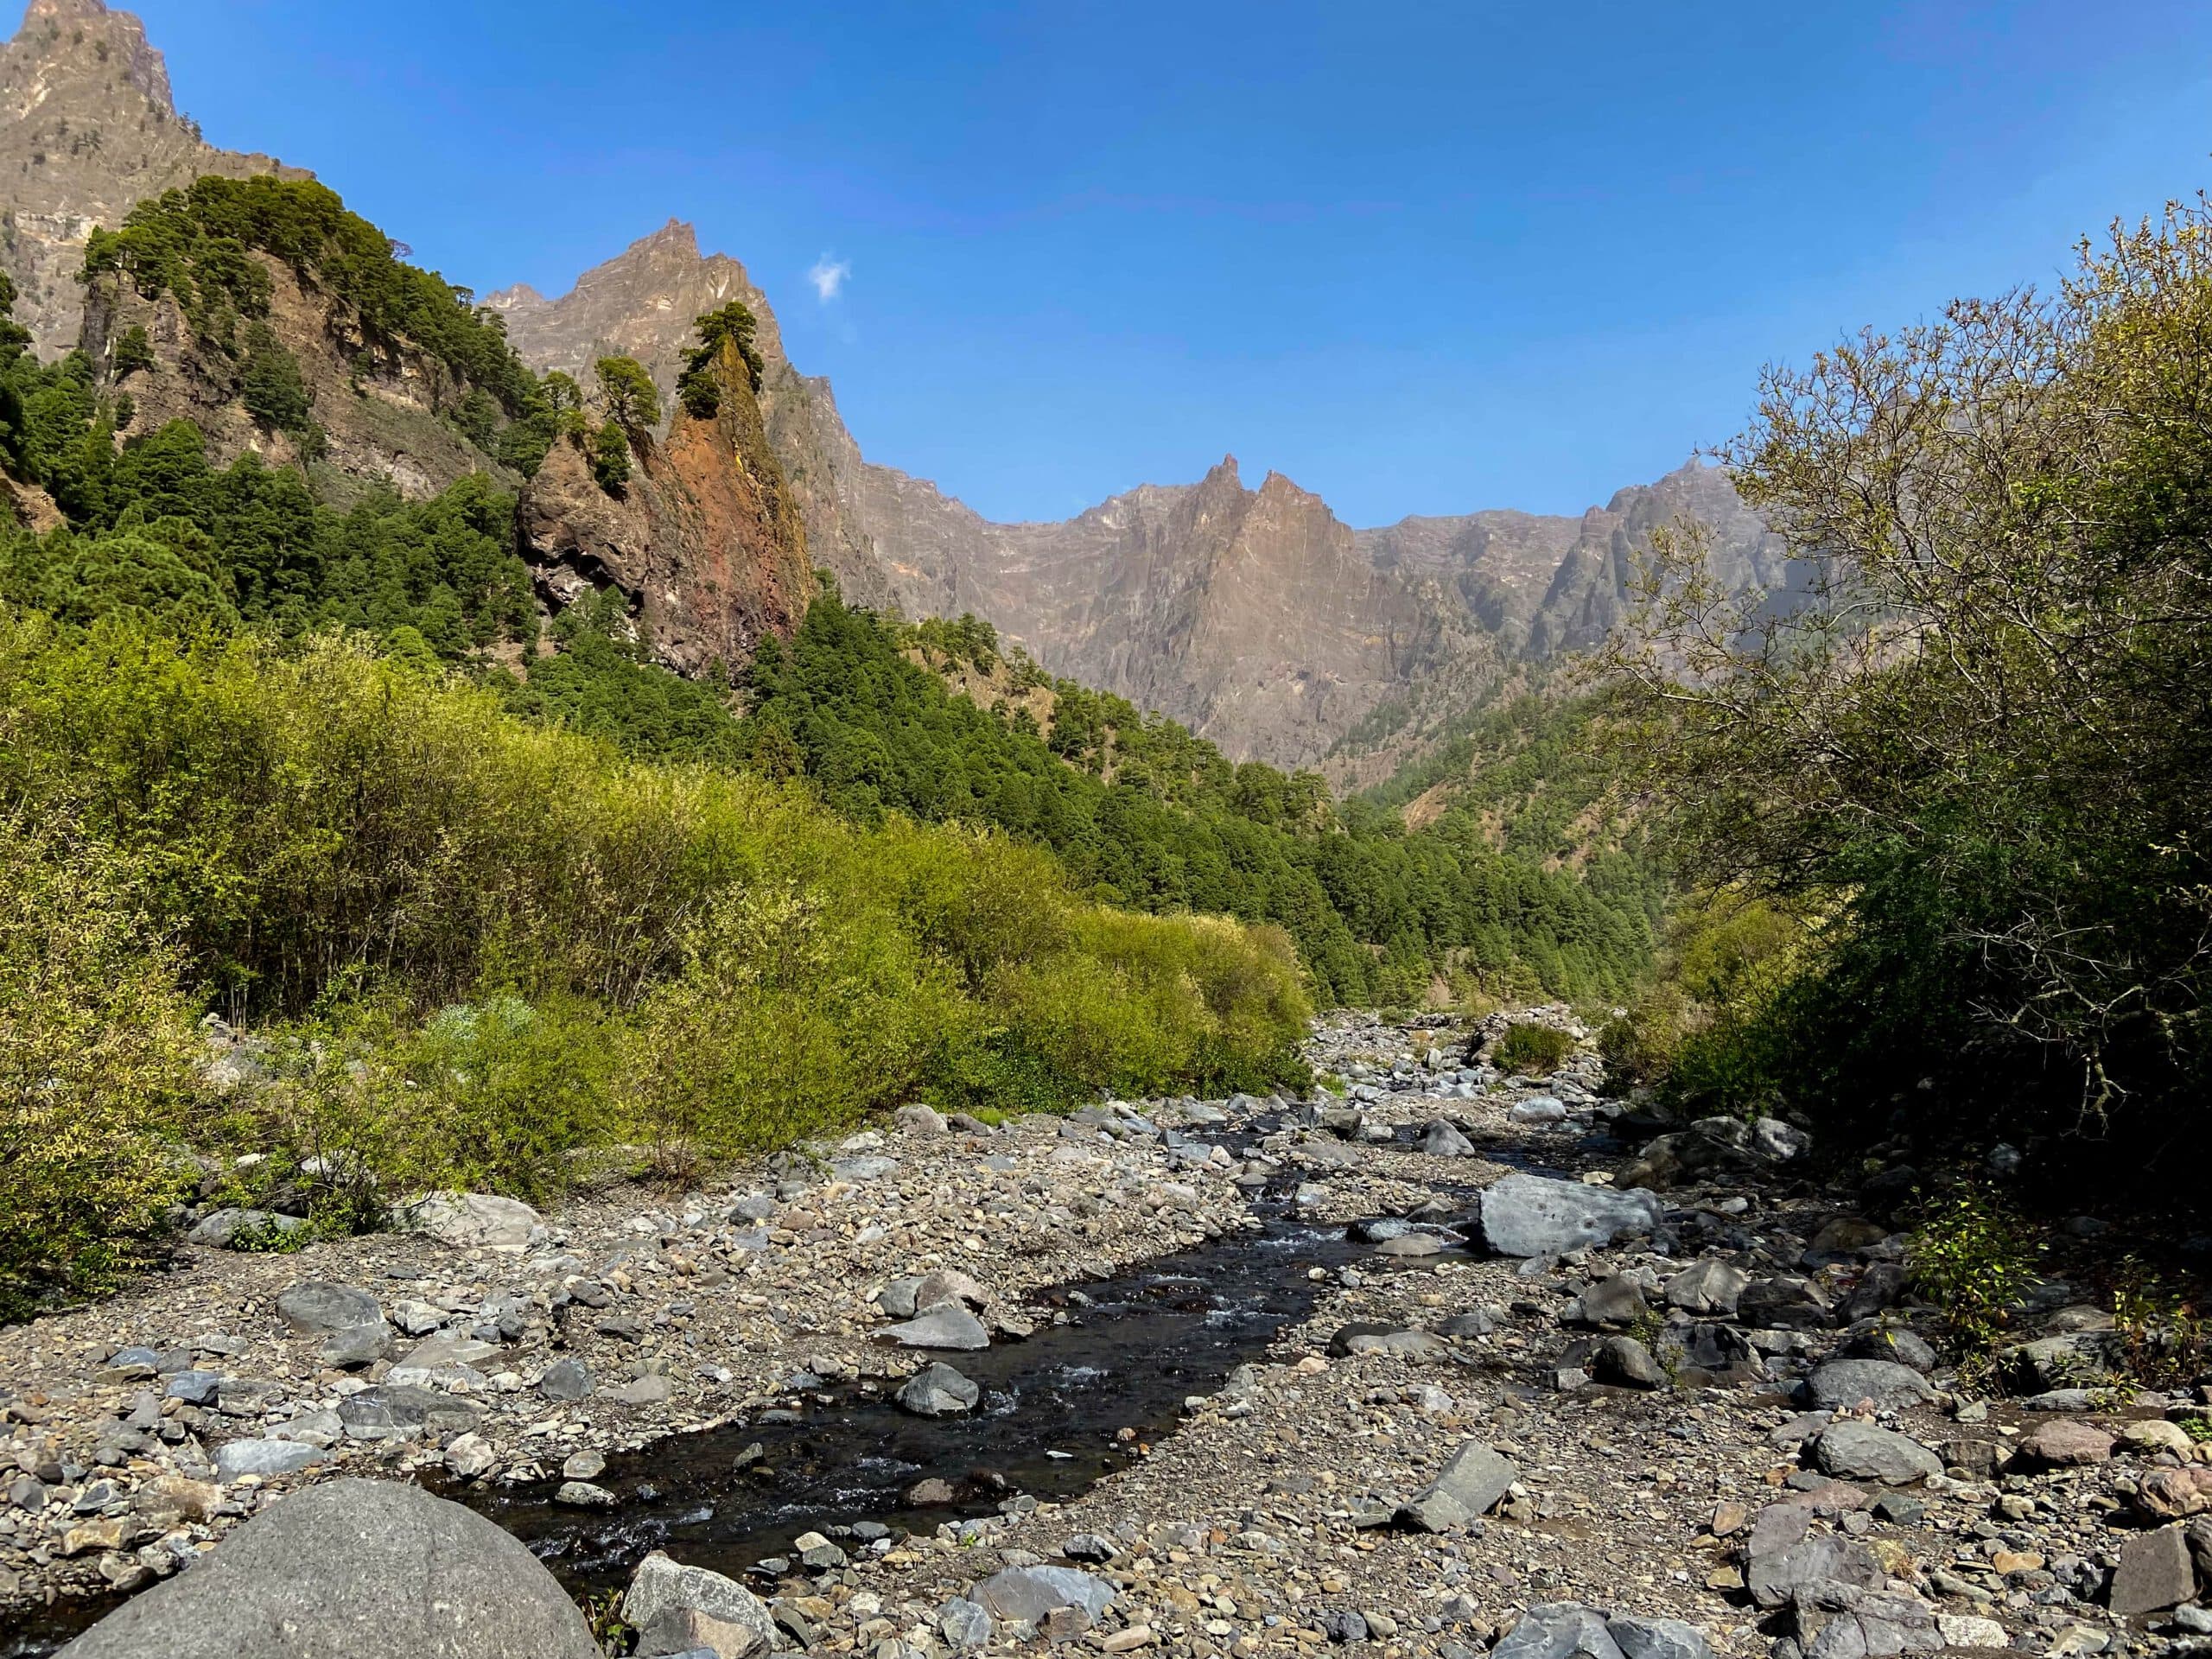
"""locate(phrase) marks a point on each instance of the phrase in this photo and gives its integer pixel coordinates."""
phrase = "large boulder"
(1467, 1487)
(313, 1307)
(676, 1609)
(1528, 1215)
(1842, 1383)
(1852, 1450)
(473, 1221)
(352, 1566)
(1028, 1594)
(1558, 1630)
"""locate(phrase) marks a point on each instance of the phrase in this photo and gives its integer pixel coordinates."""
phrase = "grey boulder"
(1028, 1595)
(1530, 1214)
(1842, 1383)
(1855, 1451)
(1441, 1140)
(1559, 1630)
(949, 1324)
(1708, 1286)
(471, 1221)
(352, 1566)
(223, 1228)
(665, 1597)
(1466, 1488)
(1774, 1579)
(938, 1390)
(235, 1459)
(1658, 1638)
(313, 1307)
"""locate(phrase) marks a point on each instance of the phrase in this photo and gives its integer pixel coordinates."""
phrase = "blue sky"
(1422, 258)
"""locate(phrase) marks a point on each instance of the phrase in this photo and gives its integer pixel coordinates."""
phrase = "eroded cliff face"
(87, 129)
(384, 412)
(1256, 617)
(703, 539)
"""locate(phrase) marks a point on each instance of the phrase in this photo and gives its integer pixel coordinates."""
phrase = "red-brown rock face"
(703, 539)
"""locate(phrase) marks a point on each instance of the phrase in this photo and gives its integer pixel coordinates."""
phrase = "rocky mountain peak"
(641, 303)
(88, 127)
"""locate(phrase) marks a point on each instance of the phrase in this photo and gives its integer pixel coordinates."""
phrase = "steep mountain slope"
(87, 128)
(1255, 617)
(703, 536)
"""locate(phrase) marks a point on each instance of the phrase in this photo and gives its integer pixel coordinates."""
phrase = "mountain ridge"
(1255, 616)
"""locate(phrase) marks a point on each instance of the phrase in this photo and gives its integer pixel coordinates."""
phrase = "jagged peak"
(40, 11)
(1278, 487)
(1225, 472)
(677, 236)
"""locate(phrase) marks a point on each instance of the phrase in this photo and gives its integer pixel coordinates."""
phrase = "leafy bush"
(96, 1052)
(1974, 1258)
(476, 947)
(1531, 1050)
(1971, 731)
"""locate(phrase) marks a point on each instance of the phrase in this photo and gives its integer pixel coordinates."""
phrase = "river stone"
(2155, 1573)
(356, 1346)
(964, 1624)
(1388, 1339)
(938, 1390)
(950, 1285)
(1617, 1300)
(313, 1307)
(1842, 1383)
(1026, 1594)
(1845, 1621)
(660, 1587)
(1828, 1558)
(2067, 1442)
(235, 1459)
(1441, 1140)
(1856, 1450)
(1627, 1363)
(1467, 1487)
(374, 1414)
(221, 1229)
(1530, 1214)
(1658, 1638)
(565, 1379)
(349, 1568)
(1783, 1302)
(470, 1221)
(1898, 1344)
(1558, 1630)
(1708, 1286)
(1411, 1245)
(947, 1325)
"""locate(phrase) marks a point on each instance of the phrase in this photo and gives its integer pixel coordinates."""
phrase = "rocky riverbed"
(1443, 1362)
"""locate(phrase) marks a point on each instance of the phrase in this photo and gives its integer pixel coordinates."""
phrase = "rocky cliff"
(378, 415)
(1255, 617)
(703, 539)
(87, 128)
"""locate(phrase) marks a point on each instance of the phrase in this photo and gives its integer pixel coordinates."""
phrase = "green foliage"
(95, 1046)
(600, 680)
(2163, 1327)
(270, 384)
(199, 245)
(1974, 737)
(133, 352)
(1142, 812)
(1529, 1050)
(1975, 1259)
(632, 401)
(481, 946)
(610, 457)
(733, 326)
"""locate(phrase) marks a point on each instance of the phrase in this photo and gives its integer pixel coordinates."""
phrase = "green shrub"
(1973, 1257)
(96, 1052)
(1528, 1049)
(474, 947)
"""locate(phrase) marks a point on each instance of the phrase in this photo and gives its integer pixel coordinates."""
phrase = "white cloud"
(829, 277)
